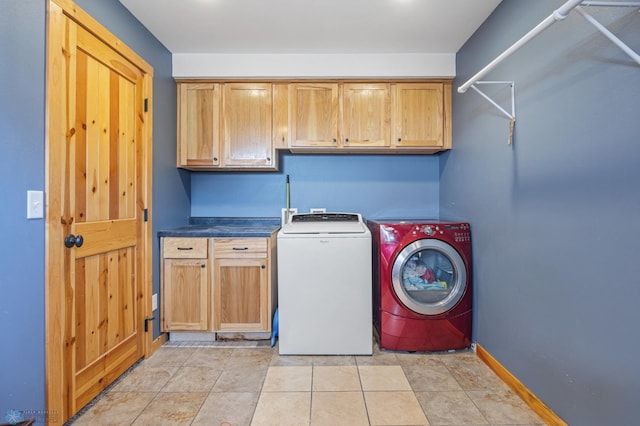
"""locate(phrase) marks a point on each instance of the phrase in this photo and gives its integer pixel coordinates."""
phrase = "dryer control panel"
(460, 232)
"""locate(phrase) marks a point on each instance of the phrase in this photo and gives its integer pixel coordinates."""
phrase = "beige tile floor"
(217, 386)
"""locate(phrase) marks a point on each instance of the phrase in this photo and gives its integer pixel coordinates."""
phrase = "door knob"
(72, 240)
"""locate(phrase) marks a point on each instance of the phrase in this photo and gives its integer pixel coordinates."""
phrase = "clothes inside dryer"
(427, 271)
(429, 276)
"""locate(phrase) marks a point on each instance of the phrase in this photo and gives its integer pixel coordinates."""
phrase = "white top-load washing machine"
(324, 285)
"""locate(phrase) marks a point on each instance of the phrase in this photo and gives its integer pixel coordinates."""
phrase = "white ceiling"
(311, 26)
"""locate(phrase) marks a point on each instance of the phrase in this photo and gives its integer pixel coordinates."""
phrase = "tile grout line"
(466, 393)
(364, 400)
(414, 392)
(158, 392)
(208, 393)
(260, 391)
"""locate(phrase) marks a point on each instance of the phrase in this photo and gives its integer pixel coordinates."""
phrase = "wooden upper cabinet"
(229, 125)
(198, 125)
(248, 120)
(421, 115)
(226, 126)
(313, 114)
(366, 115)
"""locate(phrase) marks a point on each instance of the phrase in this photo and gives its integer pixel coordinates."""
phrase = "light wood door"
(313, 115)
(366, 115)
(98, 177)
(419, 115)
(247, 112)
(199, 130)
(241, 294)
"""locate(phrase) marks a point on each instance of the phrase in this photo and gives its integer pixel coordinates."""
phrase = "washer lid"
(325, 223)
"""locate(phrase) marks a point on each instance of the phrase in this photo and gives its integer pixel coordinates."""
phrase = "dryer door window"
(429, 277)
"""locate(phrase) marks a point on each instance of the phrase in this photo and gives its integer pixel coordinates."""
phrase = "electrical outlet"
(317, 210)
(286, 215)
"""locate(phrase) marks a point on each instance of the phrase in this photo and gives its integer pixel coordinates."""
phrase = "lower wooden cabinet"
(241, 284)
(185, 284)
(241, 295)
(218, 284)
(185, 297)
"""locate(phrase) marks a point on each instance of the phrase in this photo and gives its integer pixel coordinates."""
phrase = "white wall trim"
(199, 65)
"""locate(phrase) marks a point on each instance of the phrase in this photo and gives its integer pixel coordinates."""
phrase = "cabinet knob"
(203, 266)
(262, 266)
(215, 159)
(399, 140)
(269, 159)
(335, 140)
(346, 140)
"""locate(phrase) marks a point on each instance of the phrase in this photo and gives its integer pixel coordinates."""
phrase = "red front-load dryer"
(422, 284)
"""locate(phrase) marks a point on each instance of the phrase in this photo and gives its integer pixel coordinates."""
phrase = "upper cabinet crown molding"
(239, 124)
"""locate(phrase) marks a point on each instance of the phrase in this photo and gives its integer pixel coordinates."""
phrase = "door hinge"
(146, 104)
(145, 215)
(146, 323)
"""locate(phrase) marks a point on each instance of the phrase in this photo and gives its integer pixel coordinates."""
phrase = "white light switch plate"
(154, 301)
(35, 204)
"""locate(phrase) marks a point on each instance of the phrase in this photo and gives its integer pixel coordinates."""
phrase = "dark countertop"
(222, 227)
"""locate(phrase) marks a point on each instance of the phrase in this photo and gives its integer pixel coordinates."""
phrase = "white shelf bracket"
(558, 15)
(510, 115)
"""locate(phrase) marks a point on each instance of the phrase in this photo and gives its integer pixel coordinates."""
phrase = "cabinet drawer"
(240, 247)
(185, 248)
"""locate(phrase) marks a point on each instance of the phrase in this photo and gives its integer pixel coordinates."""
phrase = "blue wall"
(378, 186)
(21, 169)
(22, 131)
(555, 216)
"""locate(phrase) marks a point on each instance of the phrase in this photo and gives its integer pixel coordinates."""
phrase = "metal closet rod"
(559, 14)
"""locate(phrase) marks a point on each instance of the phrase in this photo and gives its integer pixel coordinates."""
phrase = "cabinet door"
(241, 295)
(366, 115)
(313, 115)
(198, 124)
(247, 112)
(281, 116)
(419, 115)
(185, 300)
